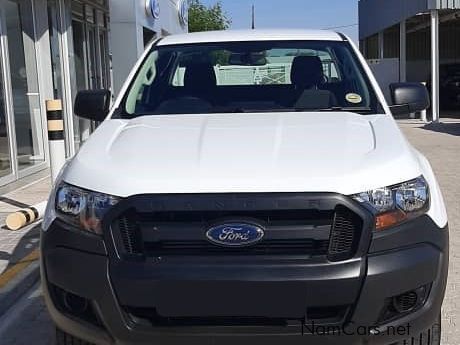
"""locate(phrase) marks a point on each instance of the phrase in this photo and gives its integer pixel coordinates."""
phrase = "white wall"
(386, 72)
(168, 20)
(127, 20)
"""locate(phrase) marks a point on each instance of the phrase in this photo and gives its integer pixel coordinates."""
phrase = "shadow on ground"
(452, 128)
(29, 324)
(28, 243)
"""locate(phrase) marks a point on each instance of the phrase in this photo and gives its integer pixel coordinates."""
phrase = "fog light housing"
(405, 303)
(74, 305)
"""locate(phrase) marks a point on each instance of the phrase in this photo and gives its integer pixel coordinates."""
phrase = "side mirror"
(409, 98)
(92, 104)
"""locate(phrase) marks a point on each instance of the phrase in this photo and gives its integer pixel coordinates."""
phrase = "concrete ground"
(28, 322)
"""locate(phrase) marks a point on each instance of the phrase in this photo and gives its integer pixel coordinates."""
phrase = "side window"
(178, 79)
(330, 70)
(145, 78)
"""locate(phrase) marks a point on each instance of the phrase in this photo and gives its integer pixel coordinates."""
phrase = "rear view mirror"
(409, 98)
(248, 59)
(92, 104)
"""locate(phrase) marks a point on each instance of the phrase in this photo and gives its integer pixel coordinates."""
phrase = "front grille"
(269, 247)
(130, 235)
(327, 229)
(331, 315)
(151, 315)
(345, 234)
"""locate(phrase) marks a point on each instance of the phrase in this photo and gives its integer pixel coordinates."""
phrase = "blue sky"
(308, 14)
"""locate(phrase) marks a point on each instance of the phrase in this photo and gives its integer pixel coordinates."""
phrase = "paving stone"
(14, 245)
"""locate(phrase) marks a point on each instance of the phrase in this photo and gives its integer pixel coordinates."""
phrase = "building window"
(90, 63)
(418, 38)
(24, 83)
(391, 43)
(53, 29)
(5, 158)
(372, 47)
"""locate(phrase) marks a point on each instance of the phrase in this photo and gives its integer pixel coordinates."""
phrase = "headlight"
(397, 204)
(82, 208)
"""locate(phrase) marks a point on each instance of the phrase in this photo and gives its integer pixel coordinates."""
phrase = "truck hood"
(218, 153)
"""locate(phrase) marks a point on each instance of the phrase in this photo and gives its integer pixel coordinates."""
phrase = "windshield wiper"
(359, 110)
(219, 110)
(248, 110)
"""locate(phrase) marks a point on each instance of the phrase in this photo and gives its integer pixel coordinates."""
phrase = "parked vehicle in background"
(449, 86)
(247, 187)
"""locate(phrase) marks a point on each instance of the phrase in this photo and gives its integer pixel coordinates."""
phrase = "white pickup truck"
(247, 187)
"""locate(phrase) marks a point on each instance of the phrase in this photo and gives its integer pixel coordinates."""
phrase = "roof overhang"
(377, 15)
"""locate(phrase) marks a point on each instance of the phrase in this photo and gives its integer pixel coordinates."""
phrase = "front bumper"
(401, 259)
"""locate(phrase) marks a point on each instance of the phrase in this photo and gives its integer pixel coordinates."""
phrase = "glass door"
(20, 34)
(81, 78)
(103, 49)
(91, 44)
(104, 52)
(55, 48)
(79, 48)
(90, 59)
(6, 167)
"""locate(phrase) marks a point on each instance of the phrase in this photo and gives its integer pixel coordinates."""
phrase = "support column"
(435, 64)
(363, 47)
(381, 45)
(402, 51)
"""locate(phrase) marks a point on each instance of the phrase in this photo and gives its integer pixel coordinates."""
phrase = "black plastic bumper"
(399, 260)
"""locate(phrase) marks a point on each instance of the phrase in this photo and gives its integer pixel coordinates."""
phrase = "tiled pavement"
(15, 245)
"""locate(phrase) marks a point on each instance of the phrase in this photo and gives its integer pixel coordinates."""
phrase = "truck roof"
(251, 35)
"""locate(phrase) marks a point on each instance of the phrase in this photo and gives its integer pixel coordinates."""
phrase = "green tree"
(203, 18)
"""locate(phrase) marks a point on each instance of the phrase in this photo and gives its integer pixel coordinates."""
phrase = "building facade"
(51, 49)
(135, 23)
(411, 40)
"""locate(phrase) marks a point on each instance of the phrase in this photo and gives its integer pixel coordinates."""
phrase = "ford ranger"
(247, 187)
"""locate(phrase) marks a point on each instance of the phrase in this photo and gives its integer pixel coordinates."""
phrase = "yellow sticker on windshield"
(354, 98)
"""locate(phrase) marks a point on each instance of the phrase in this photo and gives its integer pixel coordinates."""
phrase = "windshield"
(250, 77)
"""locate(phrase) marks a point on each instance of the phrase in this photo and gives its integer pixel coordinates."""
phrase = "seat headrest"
(307, 71)
(200, 76)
